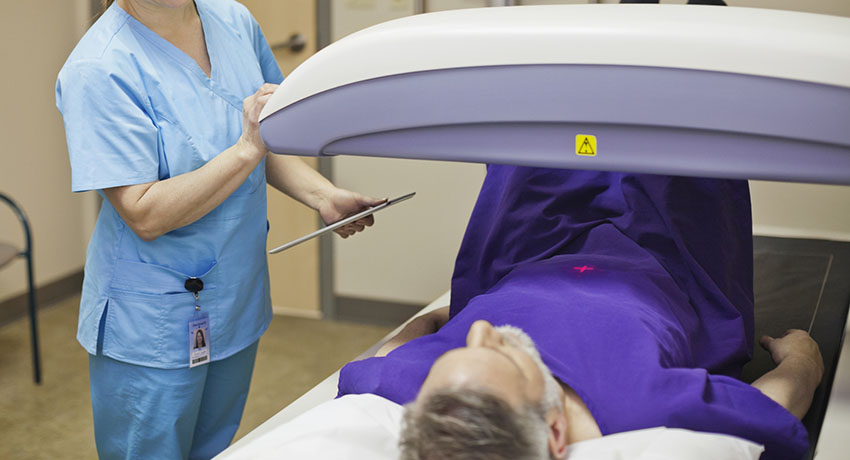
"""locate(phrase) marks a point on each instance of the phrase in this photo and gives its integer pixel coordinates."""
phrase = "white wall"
(35, 40)
(786, 209)
(348, 16)
(801, 210)
(835, 7)
(443, 5)
(409, 255)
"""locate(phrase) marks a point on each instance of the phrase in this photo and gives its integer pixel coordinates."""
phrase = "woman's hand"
(250, 141)
(340, 203)
(155, 208)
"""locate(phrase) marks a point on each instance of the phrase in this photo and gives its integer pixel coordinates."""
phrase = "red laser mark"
(583, 269)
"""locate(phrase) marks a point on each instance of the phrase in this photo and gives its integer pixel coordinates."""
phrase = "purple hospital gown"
(637, 290)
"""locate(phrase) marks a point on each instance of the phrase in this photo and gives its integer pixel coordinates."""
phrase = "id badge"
(199, 340)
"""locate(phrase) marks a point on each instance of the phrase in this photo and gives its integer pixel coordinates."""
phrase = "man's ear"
(556, 420)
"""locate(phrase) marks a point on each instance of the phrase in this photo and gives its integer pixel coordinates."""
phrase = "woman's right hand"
(155, 208)
(250, 140)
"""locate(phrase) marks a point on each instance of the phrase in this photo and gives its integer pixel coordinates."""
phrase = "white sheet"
(357, 427)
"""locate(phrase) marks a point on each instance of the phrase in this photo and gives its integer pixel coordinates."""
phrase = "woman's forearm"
(294, 177)
(156, 208)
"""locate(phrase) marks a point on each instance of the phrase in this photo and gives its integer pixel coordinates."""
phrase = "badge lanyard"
(199, 326)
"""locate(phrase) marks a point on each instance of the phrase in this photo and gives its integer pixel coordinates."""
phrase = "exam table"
(667, 89)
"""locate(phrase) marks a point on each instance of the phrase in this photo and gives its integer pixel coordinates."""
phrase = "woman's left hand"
(341, 203)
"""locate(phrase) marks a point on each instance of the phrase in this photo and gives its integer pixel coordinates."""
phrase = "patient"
(590, 303)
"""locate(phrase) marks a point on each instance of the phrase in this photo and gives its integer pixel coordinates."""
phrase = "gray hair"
(466, 424)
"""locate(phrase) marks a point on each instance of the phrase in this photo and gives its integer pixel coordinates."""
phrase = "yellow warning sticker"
(586, 145)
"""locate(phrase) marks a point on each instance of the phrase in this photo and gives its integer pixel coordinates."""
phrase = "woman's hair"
(200, 335)
(466, 424)
(104, 4)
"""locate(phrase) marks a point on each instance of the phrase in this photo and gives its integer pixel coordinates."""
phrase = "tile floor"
(54, 421)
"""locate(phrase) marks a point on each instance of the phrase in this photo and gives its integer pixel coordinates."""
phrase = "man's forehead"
(475, 368)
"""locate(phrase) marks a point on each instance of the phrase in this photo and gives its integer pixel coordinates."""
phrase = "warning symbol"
(586, 145)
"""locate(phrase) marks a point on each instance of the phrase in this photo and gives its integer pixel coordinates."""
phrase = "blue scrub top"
(137, 109)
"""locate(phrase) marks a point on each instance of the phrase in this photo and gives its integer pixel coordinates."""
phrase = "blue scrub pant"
(147, 413)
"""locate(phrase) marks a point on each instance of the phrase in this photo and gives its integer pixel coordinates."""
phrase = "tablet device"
(343, 222)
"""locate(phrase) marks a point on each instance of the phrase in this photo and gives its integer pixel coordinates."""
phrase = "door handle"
(295, 44)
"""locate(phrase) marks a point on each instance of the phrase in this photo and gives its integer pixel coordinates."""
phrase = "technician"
(160, 100)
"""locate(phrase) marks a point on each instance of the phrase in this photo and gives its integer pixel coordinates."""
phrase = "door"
(294, 273)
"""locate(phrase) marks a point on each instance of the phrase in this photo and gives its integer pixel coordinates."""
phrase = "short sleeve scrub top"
(137, 110)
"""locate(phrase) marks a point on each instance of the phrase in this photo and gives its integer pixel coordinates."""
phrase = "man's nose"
(483, 334)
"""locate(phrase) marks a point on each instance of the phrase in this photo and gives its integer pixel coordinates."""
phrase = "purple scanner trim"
(645, 119)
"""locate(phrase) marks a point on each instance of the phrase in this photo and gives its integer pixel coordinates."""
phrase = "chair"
(9, 252)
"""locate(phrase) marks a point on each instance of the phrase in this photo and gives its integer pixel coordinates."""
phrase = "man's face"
(501, 361)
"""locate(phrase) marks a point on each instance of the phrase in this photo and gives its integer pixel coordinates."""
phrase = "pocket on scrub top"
(149, 312)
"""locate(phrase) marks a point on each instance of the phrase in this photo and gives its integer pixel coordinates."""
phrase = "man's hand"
(799, 369)
(794, 342)
(428, 323)
(343, 203)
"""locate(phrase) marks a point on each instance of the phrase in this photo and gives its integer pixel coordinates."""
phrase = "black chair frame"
(27, 254)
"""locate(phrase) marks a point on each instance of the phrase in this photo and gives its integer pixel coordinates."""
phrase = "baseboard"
(788, 232)
(18, 306)
(377, 312)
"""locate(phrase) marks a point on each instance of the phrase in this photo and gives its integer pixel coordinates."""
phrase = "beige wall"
(35, 40)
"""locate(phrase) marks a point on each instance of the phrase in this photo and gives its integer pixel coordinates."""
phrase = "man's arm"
(798, 372)
(428, 323)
